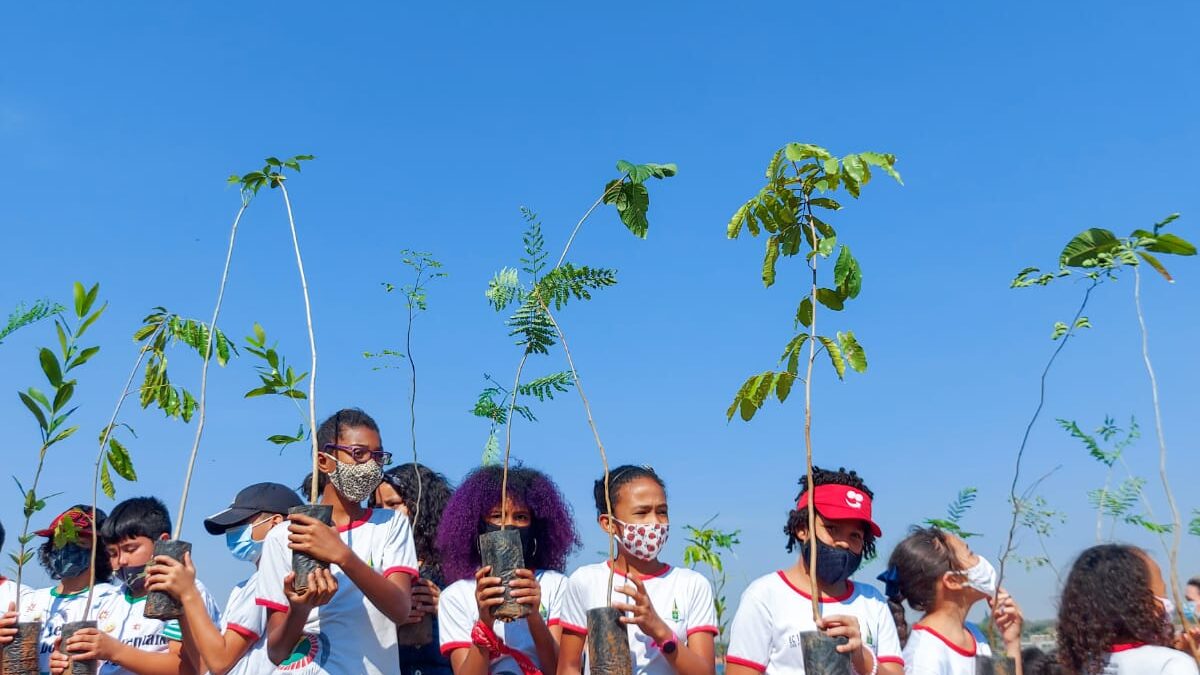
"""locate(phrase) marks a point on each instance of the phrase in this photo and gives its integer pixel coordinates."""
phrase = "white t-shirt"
(8, 593)
(1149, 660)
(928, 652)
(121, 616)
(54, 609)
(349, 635)
(682, 598)
(457, 614)
(247, 618)
(765, 633)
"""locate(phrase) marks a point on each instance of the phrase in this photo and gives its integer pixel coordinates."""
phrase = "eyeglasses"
(361, 454)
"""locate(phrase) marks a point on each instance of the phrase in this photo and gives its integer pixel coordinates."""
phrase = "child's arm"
(691, 657)
(468, 657)
(391, 595)
(570, 653)
(220, 653)
(285, 626)
(1006, 615)
(91, 644)
(8, 624)
(527, 591)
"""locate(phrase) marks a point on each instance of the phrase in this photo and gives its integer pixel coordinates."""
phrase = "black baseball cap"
(258, 498)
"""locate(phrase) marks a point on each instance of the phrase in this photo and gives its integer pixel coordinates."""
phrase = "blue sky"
(1016, 125)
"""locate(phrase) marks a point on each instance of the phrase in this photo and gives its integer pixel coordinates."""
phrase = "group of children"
(403, 550)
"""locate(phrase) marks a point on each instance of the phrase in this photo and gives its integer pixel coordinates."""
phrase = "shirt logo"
(674, 611)
(854, 499)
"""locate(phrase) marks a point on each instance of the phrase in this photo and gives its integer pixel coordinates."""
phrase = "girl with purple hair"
(475, 642)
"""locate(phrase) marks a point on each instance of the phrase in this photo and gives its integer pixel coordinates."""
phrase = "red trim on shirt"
(572, 628)
(890, 659)
(451, 646)
(745, 662)
(400, 569)
(243, 631)
(553, 622)
(360, 521)
(666, 568)
(951, 645)
(1125, 646)
(273, 606)
(703, 629)
(806, 596)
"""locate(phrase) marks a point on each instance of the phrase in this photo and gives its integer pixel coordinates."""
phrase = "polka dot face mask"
(643, 540)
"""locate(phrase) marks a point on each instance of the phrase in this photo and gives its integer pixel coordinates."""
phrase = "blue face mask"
(240, 541)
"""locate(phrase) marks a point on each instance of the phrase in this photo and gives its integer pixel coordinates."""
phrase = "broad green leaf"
(734, 228)
(852, 351)
(1158, 266)
(106, 482)
(772, 255)
(80, 297)
(632, 201)
(84, 357)
(50, 367)
(886, 162)
(1060, 329)
(831, 166)
(63, 435)
(791, 353)
(825, 203)
(830, 298)
(89, 300)
(856, 168)
(1083, 322)
(783, 385)
(144, 332)
(1171, 244)
(847, 275)
(63, 395)
(39, 397)
(835, 356)
(33, 408)
(826, 245)
(1085, 248)
(776, 166)
(804, 312)
(118, 457)
(797, 152)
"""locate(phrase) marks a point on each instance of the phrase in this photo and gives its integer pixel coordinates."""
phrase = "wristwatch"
(669, 646)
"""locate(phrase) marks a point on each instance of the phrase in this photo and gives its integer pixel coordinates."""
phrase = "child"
(9, 594)
(476, 643)
(669, 610)
(240, 646)
(776, 608)
(1114, 616)
(415, 489)
(70, 566)
(127, 641)
(938, 574)
(370, 554)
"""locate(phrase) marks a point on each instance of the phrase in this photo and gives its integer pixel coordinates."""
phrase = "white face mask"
(1168, 606)
(643, 541)
(981, 576)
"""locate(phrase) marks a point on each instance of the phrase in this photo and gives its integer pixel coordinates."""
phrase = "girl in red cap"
(776, 608)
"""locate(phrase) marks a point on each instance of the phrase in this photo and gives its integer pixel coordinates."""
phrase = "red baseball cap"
(83, 523)
(841, 502)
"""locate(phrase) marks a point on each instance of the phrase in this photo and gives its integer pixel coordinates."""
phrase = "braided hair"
(798, 518)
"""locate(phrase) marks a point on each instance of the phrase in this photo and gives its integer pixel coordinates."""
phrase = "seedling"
(955, 513)
(276, 378)
(707, 546)
(52, 412)
(799, 176)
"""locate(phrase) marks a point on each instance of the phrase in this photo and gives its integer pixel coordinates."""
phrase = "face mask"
(240, 541)
(982, 577)
(134, 578)
(834, 564)
(1168, 608)
(643, 541)
(69, 561)
(528, 542)
(356, 482)
(1189, 611)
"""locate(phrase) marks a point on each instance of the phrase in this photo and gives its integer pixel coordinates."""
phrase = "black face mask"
(69, 561)
(134, 578)
(834, 565)
(528, 541)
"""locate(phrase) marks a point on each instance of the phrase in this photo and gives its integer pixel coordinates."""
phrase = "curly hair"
(798, 518)
(103, 565)
(465, 514)
(1107, 601)
(435, 493)
(920, 561)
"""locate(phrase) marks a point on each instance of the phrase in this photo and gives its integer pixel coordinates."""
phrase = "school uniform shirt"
(348, 636)
(682, 598)
(54, 609)
(1148, 660)
(457, 614)
(8, 593)
(765, 633)
(247, 618)
(122, 616)
(928, 652)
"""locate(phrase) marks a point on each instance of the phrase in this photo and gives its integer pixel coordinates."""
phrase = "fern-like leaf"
(503, 289)
(532, 327)
(545, 387)
(21, 316)
(568, 281)
(534, 260)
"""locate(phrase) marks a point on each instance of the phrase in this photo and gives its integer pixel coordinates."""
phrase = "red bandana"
(482, 635)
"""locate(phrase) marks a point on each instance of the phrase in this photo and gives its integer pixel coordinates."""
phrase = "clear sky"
(1016, 125)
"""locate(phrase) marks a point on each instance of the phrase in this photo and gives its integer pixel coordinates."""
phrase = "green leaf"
(831, 166)
(503, 288)
(856, 168)
(63, 395)
(33, 408)
(835, 356)
(1158, 266)
(640, 172)
(797, 152)
(63, 435)
(853, 351)
(884, 161)
(87, 323)
(791, 353)
(50, 367)
(39, 397)
(1083, 322)
(80, 296)
(847, 275)
(804, 312)
(1085, 249)
(1060, 329)
(825, 203)
(632, 201)
(1171, 244)
(830, 299)
(106, 482)
(772, 255)
(84, 357)
(783, 385)
(118, 457)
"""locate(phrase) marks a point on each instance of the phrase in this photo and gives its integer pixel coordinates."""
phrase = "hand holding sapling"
(644, 614)
(527, 591)
(320, 590)
(489, 593)
(8, 624)
(171, 576)
(316, 539)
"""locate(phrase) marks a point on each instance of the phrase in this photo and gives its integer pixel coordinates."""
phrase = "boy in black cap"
(239, 647)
